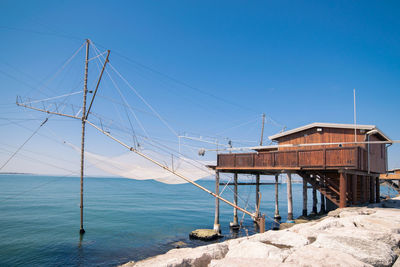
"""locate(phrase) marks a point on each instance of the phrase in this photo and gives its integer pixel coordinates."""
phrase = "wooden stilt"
(323, 209)
(276, 215)
(343, 190)
(235, 201)
(371, 190)
(354, 188)
(217, 226)
(377, 190)
(373, 193)
(257, 192)
(289, 197)
(314, 201)
(304, 197)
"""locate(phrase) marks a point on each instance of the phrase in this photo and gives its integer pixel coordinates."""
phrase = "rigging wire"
(23, 144)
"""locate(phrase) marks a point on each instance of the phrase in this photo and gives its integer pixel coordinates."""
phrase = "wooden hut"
(341, 161)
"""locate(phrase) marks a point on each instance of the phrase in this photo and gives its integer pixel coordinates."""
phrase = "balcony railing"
(324, 158)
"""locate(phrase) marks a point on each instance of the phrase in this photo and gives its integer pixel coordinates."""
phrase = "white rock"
(283, 237)
(256, 250)
(361, 247)
(313, 256)
(197, 257)
(247, 262)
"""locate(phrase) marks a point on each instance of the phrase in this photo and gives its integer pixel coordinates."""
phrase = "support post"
(235, 223)
(82, 230)
(257, 193)
(343, 190)
(373, 193)
(217, 226)
(276, 215)
(377, 190)
(354, 188)
(323, 209)
(289, 197)
(314, 201)
(304, 197)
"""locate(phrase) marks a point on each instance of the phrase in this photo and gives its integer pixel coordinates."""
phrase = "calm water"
(124, 219)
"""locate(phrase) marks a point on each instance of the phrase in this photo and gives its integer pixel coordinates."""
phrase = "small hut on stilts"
(342, 162)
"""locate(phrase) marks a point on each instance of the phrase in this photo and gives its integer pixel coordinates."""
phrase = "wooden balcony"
(323, 158)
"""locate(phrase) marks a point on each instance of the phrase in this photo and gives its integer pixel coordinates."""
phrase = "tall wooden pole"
(217, 227)
(354, 188)
(82, 231)
(289, 197)
(304, 197)
(235, 201)
(276, 216)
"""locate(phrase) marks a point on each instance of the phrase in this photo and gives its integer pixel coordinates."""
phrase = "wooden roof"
(330, 125)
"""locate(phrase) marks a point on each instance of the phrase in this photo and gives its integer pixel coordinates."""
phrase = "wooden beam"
(247, 184)
(358, 172)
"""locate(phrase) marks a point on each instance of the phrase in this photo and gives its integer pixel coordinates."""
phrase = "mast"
(82, 231)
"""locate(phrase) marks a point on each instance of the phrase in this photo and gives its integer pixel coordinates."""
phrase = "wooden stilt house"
(342, 161)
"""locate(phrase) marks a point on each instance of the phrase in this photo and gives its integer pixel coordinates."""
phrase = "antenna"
(355, 116)
(262, 129)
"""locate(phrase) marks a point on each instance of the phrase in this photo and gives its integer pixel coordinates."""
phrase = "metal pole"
(262, 129)
(82, 231)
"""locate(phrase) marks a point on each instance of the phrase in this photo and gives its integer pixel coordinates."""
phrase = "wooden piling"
(377, 190)
(304, 197)
(354, 188)
(258, 192)
(343, 190)
(276, 215)
(289, 197)
(323, 209)
(314, 200)
(217, 226)
(235, 198)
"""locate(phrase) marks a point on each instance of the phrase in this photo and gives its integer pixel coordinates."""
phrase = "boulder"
(204, 234)
(256, 250)
(359, 245)
(313, 256)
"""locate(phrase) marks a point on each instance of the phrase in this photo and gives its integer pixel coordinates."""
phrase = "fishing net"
(133, 166)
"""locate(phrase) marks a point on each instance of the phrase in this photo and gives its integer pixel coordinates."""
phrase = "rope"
(21, 146)
(51, 98)
(144, 100)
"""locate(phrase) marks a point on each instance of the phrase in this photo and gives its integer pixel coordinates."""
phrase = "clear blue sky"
(296, 61)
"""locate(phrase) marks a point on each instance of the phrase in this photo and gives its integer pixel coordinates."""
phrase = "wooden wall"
(327, 135)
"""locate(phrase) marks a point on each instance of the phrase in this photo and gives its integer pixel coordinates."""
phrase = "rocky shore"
(355, 236)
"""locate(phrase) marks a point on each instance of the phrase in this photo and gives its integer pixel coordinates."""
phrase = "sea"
(124, 219)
